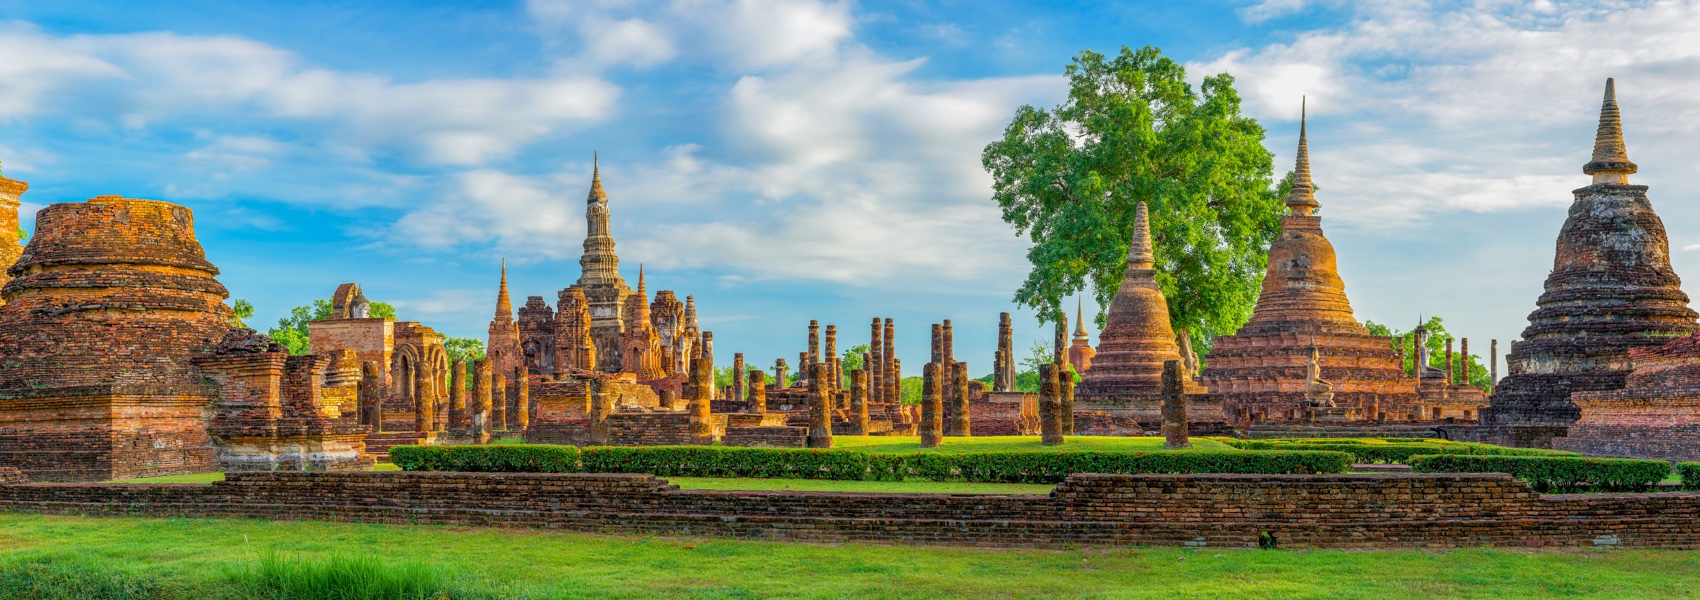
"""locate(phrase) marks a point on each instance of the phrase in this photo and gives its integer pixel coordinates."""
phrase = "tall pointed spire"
(1611, 161)
(504, 307)
(596, 193)
(642, 290)
(1302, 199)
(1139, 254)
(1079, 318)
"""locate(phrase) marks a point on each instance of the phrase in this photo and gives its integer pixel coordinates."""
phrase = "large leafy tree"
(291, 331)
(1132, 130)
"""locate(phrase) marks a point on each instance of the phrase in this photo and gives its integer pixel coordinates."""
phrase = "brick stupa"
(1655, 415)
(1127, 371)
(1611, 290)
(107, 307)
(1260, 372)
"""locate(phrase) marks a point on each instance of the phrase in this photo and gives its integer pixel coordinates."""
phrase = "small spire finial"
(1139, 254)
(1610, 162)
(596, 193)
(1079, 318)
(641, 288)
(1302, 198)
(504, 307)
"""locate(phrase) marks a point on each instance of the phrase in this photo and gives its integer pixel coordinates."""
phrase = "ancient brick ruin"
(413, 367)
(1261, 373)
(1611, 290)
(118, 359)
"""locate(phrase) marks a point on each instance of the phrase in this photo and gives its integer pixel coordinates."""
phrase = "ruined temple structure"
(118, 359)
(10, 249)
(1080, 352)
(1655, 415)
(598, 320)
(1262, 373)
(1126, 373)
(1611, 290)
(413, 365)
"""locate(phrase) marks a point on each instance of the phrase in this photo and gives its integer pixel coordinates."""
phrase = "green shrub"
(719, 461)
(1555, 473)
(1690, 472)
(1371, 450)
(1053, 467)
(530, 458)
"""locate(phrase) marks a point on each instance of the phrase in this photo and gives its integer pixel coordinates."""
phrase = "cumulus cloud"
(147, 79)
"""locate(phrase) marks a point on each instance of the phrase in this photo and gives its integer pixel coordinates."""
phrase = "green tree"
(291, 331)
(240, 311)
(1436, 344)
(460, 348)
(850, 361)
(1131, 130)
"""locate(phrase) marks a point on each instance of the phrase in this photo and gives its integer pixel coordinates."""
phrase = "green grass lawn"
(901, 444)
(53, 557)
(211, 477)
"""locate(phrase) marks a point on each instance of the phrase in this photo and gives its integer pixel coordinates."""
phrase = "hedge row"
(489, 459)
(1379, 451)
(1555, 473)
(790, 463)
(1690, 472)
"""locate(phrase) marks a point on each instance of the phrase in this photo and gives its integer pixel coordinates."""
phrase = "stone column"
(499, 403)
(1050, 405)
(371, 395)
(1174, 407)
(808, 365)
(805, 366)
(895, 376)
(1061, 344)
(779, 370)
(959, 421)
(875, 364)
(1400, 343)
(1449, 371)
(1493, 364)
(457, 395)
(831, 351)
(997, 371)
(820, 407)
(889, 376)
(1464, 358)
(859, 400)
(522, 402)
(1067, 407)
(932, 403)
(601, 406)
(702, 384)
(758, 392)
(424, 400)
(948, 346)
(1005, 380)
(738, 377)
(482, 381)
(708, 355)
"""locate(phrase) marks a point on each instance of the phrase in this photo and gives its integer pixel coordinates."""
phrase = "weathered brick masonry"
(1307, 511)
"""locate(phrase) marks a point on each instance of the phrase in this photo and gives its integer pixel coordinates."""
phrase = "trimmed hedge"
(527, 458)
(1690, 472)
(794, 463)
(1555, 473)
(1380, 451)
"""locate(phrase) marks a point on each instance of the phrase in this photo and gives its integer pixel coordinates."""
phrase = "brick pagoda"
(1611, 290)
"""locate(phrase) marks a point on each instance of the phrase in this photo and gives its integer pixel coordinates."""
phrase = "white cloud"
(152, 78)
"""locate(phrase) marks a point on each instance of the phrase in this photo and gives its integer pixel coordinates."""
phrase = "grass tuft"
(337, 577)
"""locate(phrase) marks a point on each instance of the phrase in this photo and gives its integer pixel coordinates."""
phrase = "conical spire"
(1079, 318)
(504, 307)
(1302, 199)
(1611, 161)
(596, 193)
(642, 291)
(1139, 254)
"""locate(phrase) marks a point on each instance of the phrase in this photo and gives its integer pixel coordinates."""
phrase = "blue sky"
(784, 161)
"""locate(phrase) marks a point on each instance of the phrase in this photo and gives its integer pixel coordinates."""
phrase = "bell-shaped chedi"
(1264, 372)
(1611, 290)
(107, 307)
(1127, 370)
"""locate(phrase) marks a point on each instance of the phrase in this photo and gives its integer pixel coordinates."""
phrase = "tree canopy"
(291, 331)
(1132, 130)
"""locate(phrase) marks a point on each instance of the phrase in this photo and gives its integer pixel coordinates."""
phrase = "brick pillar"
(779, 370)
(875, 365)
(938, 343)
(831, 356)
(1448, 360)
(601, 406)
(457, 395)
(895, 376)
(758, 392)
(805, 367)
(1493, 364)
(702, 384)
(1066, 373)
(372, 395)
(424, 399)
(859, 400)
(1050, 405)
(499, 403)
(932, 403)
(1005, 379)
(738, 377)
(482, 381)
(959, 409)
(1401, 347)
(820, 407)
(1464, 361)
(522, 402)
(888, 375)
(1061, 344)
(1174, 407)
(808, 365)
(708, 355)
(997, 371)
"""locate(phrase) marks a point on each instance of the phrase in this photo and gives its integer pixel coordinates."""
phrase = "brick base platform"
(1233, 511)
